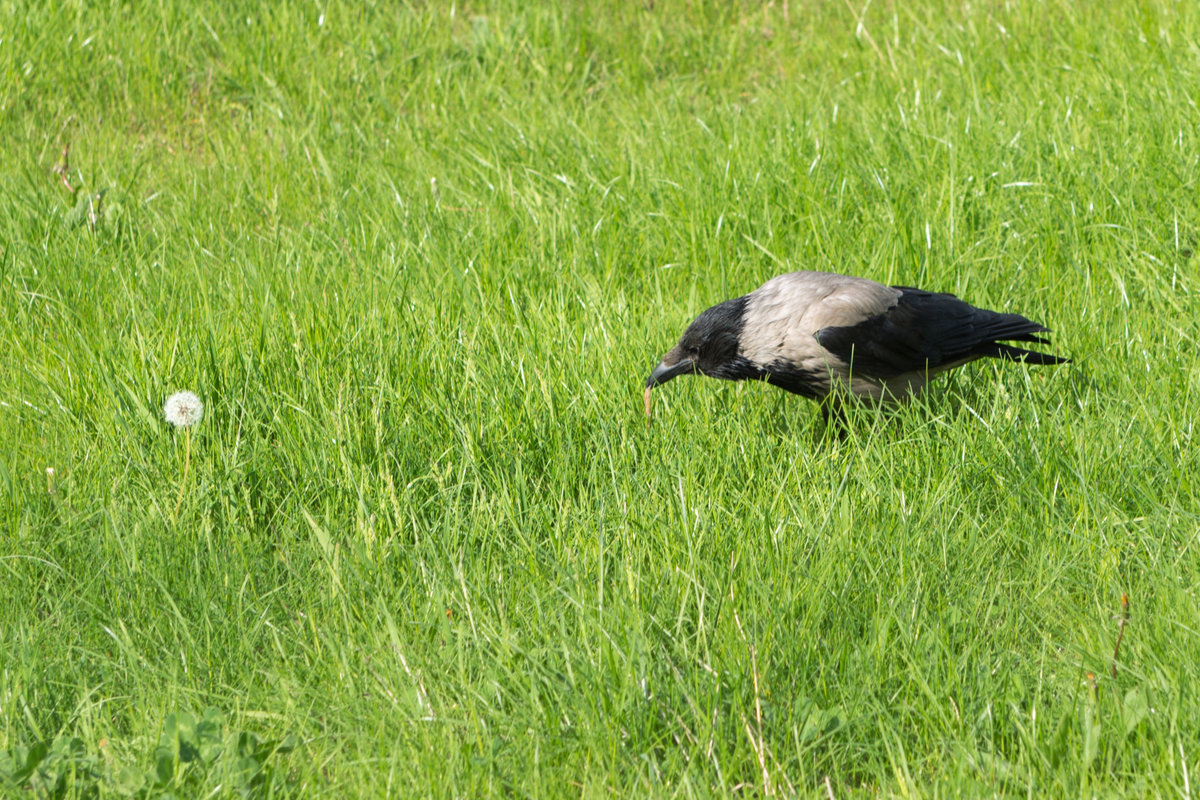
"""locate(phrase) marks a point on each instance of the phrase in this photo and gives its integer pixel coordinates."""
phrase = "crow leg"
(833, 412)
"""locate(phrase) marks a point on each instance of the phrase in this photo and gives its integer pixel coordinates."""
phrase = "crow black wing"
(926, 330)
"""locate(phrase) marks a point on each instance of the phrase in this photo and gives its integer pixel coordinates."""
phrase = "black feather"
(1010, 353)
(926, 330)
(789, 377)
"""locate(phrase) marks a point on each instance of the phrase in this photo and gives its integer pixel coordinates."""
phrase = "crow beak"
(663, 373)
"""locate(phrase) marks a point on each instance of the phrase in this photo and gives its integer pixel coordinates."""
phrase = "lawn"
(417, 262)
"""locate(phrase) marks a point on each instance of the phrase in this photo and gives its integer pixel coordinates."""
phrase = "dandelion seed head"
(183, 409)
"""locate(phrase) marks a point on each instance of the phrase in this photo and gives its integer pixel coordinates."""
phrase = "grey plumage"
(819, 334)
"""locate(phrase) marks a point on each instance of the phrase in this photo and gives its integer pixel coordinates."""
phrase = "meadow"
(417, 261)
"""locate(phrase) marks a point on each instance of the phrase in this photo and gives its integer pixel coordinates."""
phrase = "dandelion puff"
(183, 409)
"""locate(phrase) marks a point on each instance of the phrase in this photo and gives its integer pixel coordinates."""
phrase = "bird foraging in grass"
(823, 336)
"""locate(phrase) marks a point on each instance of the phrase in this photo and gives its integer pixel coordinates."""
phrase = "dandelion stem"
(187, 462)
(1122, 622)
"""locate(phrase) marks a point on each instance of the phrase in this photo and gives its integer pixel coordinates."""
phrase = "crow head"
(709, 346)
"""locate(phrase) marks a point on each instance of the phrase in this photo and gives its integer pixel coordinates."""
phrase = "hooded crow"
(818, 334)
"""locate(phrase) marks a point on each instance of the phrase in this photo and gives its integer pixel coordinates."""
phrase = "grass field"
(418, 261)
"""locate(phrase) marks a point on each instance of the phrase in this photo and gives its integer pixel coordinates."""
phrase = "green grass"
(417, 261)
